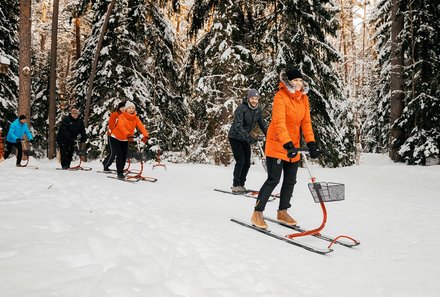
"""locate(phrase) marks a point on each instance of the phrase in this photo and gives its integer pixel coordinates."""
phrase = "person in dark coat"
(71, 127)
(246, 117)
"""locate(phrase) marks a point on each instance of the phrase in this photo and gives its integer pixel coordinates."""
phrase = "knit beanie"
(252, 93)
(293, 73)
(120, 105)
(129, 104)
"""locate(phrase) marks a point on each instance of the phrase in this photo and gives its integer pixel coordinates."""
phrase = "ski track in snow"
(77, 234)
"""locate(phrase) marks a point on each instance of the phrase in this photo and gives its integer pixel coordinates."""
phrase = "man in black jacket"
(71, 127)
(246, 117)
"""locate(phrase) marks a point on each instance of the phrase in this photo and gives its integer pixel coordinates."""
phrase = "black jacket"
(245, 119)
(69, 130)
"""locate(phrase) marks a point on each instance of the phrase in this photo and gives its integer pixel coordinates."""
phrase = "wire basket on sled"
(327, 191)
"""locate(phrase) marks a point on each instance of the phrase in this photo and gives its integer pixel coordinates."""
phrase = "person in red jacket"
(120, 108)
(123, 132)
(290, 117)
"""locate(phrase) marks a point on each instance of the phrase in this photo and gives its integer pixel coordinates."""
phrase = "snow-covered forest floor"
(78, 234)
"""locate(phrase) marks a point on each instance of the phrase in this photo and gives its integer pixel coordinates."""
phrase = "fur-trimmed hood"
(290, 87)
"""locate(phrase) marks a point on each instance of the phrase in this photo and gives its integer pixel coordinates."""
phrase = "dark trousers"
(66, 154)
(120, 149)
(8, 150)
(274, 169)
(242, 156)
(108, 161)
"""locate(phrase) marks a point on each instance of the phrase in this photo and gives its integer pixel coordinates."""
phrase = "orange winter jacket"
(112, 121)
(290, 114)
(125, 125)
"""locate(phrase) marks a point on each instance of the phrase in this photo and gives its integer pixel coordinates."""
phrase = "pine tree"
(377, 127)
(9, 14)
(40, 107)
(167, 110)
(42, 22)
(420, 120)
(219, 70)
(136, 63)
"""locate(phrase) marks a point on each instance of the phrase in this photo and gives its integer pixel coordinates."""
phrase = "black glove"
(291, 150)
(31, 140)
(18, 140)
(313, 149)
(251, 140)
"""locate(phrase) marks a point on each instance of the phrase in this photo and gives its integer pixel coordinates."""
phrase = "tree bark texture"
(78, 37)
(396, 77)
(24, 85)
(53, 82)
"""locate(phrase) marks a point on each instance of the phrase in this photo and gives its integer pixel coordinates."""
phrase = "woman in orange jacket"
(111, 125)
(290, 117)
(123, 132)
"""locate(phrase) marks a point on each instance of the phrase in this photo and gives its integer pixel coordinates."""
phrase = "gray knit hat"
(129, 104)
(253, 93)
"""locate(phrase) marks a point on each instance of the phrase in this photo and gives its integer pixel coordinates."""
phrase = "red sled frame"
(316, 231)
(138, 173)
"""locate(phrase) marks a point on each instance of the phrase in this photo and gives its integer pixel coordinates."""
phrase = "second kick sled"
(135, 175)
(322, 192)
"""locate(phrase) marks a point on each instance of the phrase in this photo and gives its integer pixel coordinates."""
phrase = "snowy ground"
(75, 234)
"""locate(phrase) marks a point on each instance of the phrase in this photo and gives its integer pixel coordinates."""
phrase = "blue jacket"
(17, 130)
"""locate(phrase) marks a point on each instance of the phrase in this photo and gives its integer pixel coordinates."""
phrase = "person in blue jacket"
(17, 130)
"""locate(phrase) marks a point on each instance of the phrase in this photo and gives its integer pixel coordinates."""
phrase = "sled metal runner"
(317, 250)
(317, 235)
(77, 167)
(111, 171)
(248, 193)
(125, 179)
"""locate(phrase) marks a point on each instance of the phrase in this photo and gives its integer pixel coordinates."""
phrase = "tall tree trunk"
(95, 63)
(51, 153)
(344, 40)
(396, 83)
(364, 33)
(78, 37)
(24, 85)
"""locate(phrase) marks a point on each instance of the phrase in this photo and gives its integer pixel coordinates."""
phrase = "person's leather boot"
(284, 217)
(258, 220)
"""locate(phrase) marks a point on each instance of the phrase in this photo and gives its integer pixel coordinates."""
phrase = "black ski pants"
(8, 150)
(242, 155)
(274, 169)
(120, 149)
(108, 161)
(66, 154)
